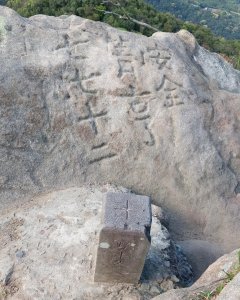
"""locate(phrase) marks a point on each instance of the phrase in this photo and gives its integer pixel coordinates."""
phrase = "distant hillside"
(224, 4)
(130, 15)
(222, 17)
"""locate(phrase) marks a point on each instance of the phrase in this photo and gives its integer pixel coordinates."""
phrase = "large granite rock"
(232, 290)
(48, 251)
(215, 283)
(82, 102)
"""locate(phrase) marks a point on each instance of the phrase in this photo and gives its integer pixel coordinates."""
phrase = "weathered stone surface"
(48, 250)
(82, 102)
(200, 254)
(124, 239)
(127, 211)
(232, 290)
(121, 255)
(214, 276)
(165, 259)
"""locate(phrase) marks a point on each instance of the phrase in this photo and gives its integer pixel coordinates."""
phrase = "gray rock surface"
(232, 290)
(48, 251)
(165, 259)
(214, 277)
(81, 102)
(200, 254)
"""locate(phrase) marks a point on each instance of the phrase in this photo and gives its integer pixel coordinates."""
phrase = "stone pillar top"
(127, 211)
(124, 238)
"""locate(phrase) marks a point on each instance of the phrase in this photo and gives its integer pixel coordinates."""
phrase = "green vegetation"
(210, 295)
(222, 17)
(130, 15)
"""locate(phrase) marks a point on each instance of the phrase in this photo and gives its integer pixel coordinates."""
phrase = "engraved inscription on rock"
(124, 239)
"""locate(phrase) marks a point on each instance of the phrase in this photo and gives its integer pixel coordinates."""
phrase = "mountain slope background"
(222, 17)
(121, 13)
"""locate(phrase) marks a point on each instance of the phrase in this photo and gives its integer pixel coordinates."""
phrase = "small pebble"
(20, 254)
(154, 290)
(174, 278)
(167, 264)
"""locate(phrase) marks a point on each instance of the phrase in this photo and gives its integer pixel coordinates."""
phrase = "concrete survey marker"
(124, 239)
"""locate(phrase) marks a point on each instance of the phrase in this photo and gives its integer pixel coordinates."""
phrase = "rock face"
(48, 251)
(200, 254)
(232, 290)
(214, 279)
(81, 102)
